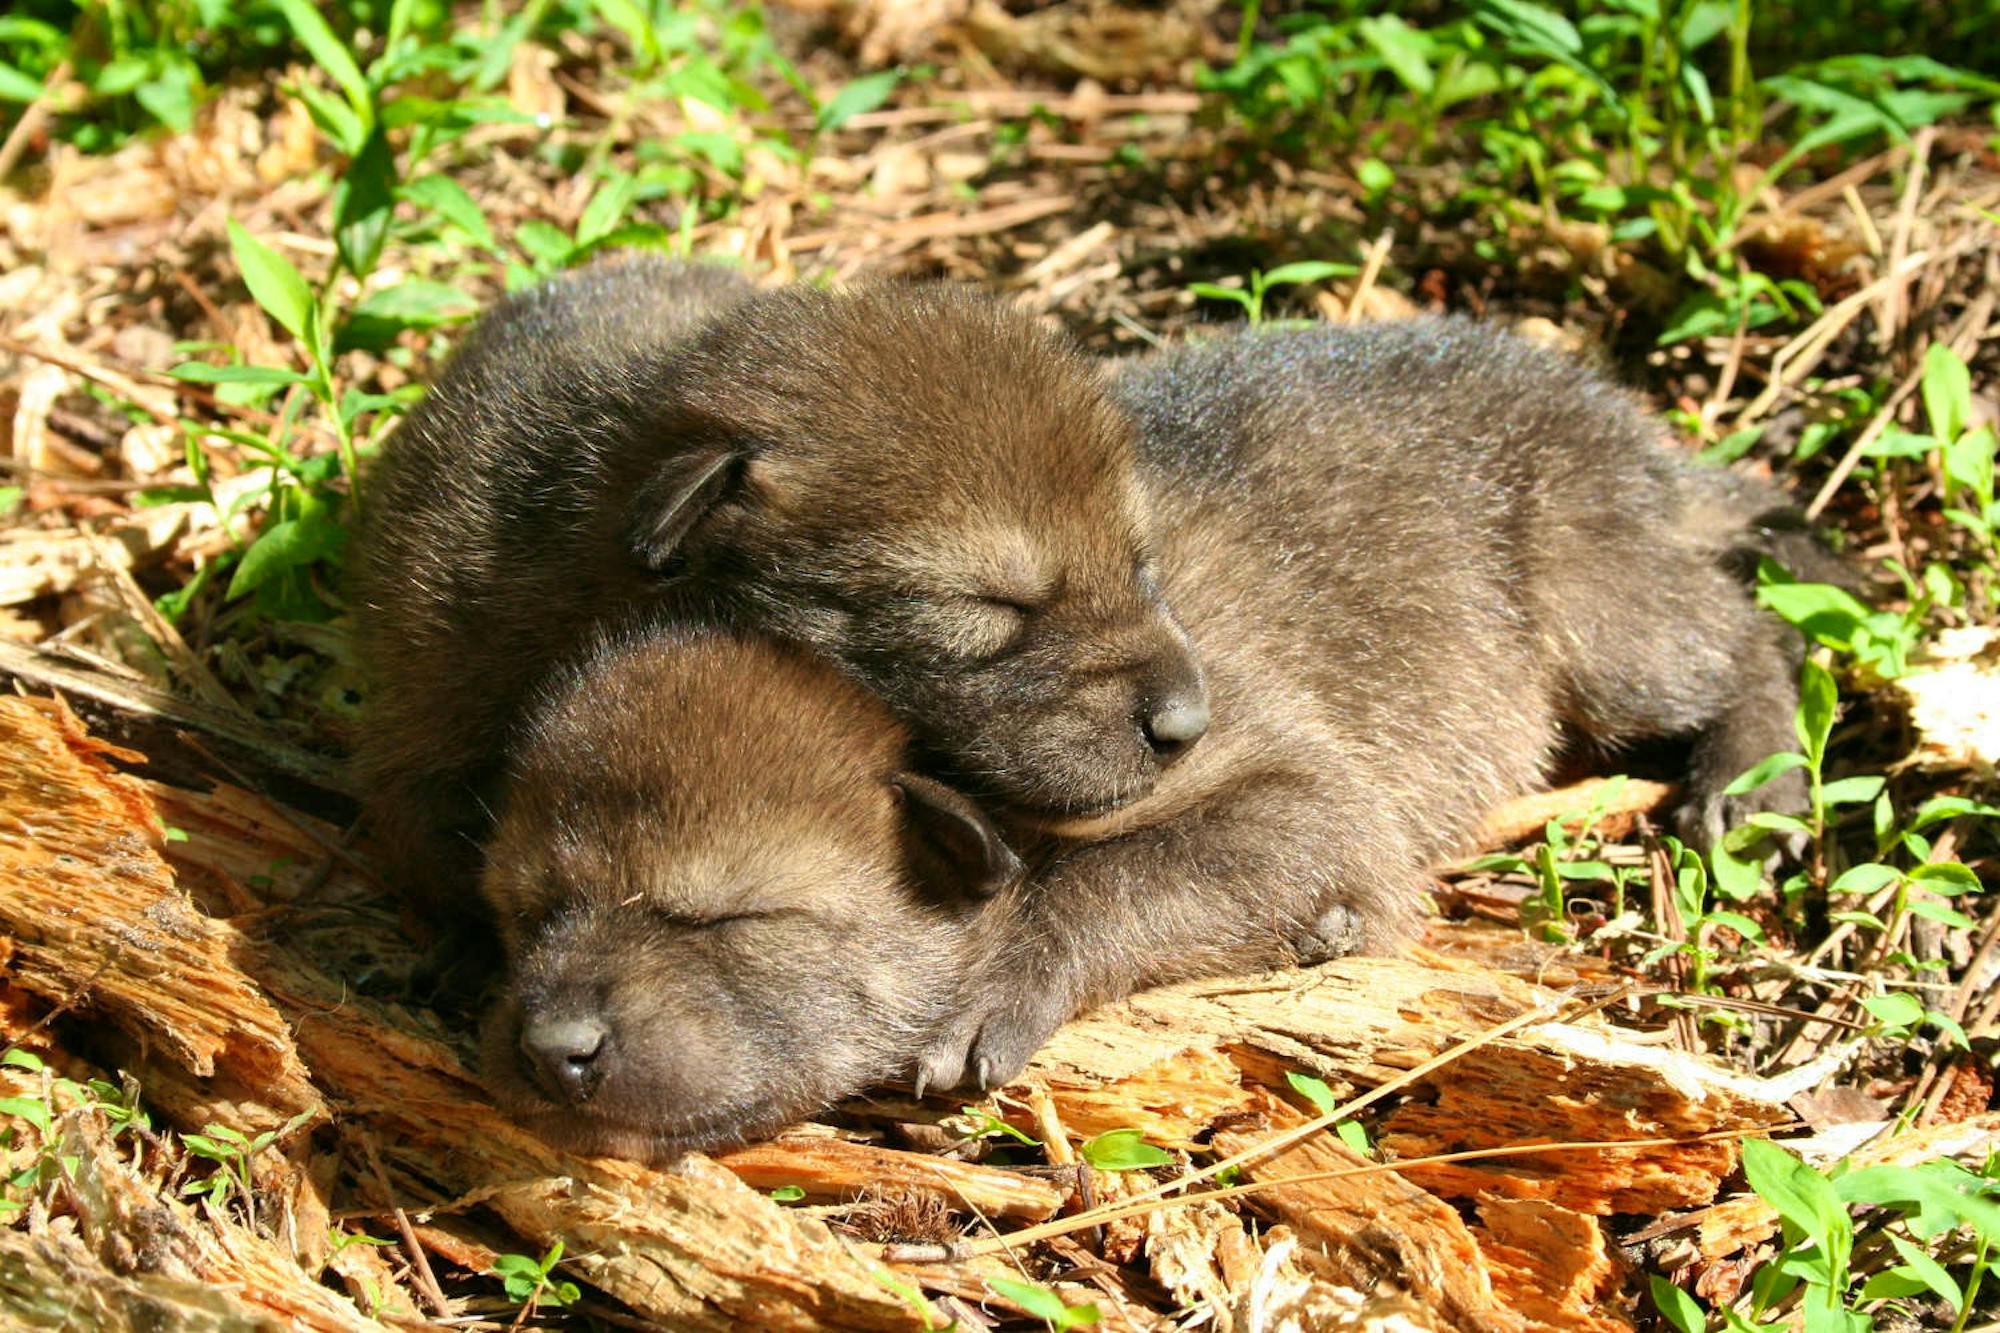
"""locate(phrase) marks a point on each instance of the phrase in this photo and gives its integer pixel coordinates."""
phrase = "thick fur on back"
(1414, 558)
(918, 483)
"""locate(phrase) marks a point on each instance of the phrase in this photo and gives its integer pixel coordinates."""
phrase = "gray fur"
(1414, 557)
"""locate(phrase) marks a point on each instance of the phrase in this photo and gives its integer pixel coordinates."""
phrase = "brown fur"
(917, 483)
(706, 849)
(1414, 558)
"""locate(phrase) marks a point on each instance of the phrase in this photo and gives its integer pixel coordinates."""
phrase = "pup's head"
(927, 486)
(723, 903)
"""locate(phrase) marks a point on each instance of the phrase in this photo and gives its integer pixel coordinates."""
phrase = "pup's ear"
(955, 848)
(676, 497)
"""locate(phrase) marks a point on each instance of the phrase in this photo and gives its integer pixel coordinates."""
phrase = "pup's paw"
(1336, 934)
(1703, 820)
(987, 1046)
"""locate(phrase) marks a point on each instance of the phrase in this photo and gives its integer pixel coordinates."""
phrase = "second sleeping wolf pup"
(918, 483)
(723, 898)
(1415, 558)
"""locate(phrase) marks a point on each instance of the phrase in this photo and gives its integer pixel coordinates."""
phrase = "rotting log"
(91, 913)
(829, 1168)
(128, 1253)
(1358, 1022)
(1373, 1230)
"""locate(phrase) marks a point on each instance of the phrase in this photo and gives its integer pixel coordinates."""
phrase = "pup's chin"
(576, 1130)
(1045, 810)
(628, 1124)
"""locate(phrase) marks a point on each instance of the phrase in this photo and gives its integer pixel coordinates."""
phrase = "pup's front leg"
(1281, 871)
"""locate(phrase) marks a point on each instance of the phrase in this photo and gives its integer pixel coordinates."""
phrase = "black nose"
(1174, 724)
(565, 1056)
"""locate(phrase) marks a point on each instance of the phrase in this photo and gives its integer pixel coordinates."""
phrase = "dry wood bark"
(89, 908)
(1376, 1230)
(1358, 1022)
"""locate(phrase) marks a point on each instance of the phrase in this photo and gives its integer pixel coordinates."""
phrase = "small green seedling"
(787, 1194)
(1044, 1304)
(1123, 1150)
(1321, 1096)
(232, 1151)
(1285, 275)
(527, 1280)
(986, 1125)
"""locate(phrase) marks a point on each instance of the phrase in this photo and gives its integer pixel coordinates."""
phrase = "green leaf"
(1947, 392)
(632, 20)
(1934, 1197)
(1403, 50)
(1538, 29)
(1898, 1009)
(1355, 1137)
(1313, 1090)
(607, 206)
(1738, 871)
(1937, 911)
(1307, 270)
(985, 1124)
(1894, 443)
(364, 201)
(1376, 176)
(1124, 1150)
(448, 199)
(1831, 615)
(284, 546)
(545, 244)
(1737, 922)
(16, 1058)
(331, 55)
(1852, 791)
(1676, 1306)
(1940, 808)
(788, 1194)
(1209, 291)
(1946, 878)
(1818, 698)
(1865, 878)
(273, 282)
(1043, 1303)
(10, 498)
(31, 1109)
(418, 303)
(1036, 1300)
(201, 372)
(1800, 1194)
(857, 98)
(16, 86)
(170, 97)
(335, 118)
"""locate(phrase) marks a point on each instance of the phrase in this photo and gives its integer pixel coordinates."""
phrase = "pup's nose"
(565, 1055)
(1174, 724)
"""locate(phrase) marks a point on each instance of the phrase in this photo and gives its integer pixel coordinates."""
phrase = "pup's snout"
(1176, 723)
(566, 1056)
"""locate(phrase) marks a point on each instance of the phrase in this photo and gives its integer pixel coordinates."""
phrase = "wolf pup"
(1415, 559)
(723, 898)
(918, 483)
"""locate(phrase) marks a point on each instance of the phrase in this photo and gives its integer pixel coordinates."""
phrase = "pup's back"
(460, 611)
(1467, 538)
